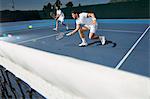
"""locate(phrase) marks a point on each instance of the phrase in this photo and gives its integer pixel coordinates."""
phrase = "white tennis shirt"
(84, 19)
(60, 13)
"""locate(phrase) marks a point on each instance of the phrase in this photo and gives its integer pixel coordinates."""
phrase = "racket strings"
(52, 14)
(60, 36)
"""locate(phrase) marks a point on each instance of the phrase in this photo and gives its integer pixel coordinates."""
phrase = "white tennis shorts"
(92, 28)
(61, 19)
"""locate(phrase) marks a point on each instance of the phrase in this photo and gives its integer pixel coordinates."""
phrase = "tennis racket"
(52, 14)
(61, 35)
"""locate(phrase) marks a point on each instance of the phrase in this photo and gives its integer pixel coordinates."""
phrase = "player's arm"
(74, 31)
(92, 15)
(57, 16)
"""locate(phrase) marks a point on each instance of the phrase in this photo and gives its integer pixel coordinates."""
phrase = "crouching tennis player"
(89, 21)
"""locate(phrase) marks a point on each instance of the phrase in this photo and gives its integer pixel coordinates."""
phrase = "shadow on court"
(98, 43)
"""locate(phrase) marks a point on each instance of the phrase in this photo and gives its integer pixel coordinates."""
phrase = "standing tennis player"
(59, 18)
(89, 22)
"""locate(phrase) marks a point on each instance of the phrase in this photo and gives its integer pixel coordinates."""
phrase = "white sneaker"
(102, 39)
(83, 44)
(67, 28)
(55, 29)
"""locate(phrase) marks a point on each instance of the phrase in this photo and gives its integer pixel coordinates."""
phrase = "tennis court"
(126, 47)
(39, 61)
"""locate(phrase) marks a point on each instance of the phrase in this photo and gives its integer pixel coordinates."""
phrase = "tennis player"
(88, 20)
(59, 18)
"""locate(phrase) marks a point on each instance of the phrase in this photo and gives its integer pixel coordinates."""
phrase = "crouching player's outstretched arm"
(74, 31)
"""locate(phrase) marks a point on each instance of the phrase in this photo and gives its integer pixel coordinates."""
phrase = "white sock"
(83, 40)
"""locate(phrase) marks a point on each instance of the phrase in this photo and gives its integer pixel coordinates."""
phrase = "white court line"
(23, 30)
(39, 38)
(70, 30)
(38, 28)
(132, 48)
(36, 38)
(120, 30)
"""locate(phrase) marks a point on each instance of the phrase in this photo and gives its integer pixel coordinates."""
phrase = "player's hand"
(94, 22)
(69, 34)
(56, 18)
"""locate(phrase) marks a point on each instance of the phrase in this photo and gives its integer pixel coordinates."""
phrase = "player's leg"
(56, 28)
(62, 22)
(82, 36)
(65, 25)
(92, 34)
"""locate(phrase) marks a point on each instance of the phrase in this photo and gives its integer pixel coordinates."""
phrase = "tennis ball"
(30, 27)
(9, 35)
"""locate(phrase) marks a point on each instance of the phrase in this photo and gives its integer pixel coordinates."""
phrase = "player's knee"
(80, 30)
(90, 37)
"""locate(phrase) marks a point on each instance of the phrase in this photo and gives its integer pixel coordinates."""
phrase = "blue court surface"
(127, 46)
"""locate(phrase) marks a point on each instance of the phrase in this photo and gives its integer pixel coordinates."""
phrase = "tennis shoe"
(102, 39)
(83, 44)
(55, 29)
(67, 28)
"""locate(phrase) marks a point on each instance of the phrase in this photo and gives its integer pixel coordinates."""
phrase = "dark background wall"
(120, 10)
